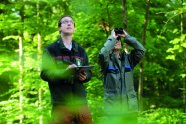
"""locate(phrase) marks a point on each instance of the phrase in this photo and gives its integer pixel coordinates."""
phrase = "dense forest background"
(28, 26)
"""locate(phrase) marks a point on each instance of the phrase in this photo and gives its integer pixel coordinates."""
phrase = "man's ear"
(59, 28)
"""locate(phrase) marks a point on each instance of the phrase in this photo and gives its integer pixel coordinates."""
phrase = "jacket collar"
(62, 46)
(114, 58)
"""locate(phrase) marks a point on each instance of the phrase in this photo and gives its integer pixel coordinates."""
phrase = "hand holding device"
(120, 33)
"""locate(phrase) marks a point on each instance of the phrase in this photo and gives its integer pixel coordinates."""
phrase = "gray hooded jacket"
(117, 77)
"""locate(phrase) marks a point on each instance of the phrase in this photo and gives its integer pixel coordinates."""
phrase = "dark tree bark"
(183, 64)
(140, 90)
(124, 6)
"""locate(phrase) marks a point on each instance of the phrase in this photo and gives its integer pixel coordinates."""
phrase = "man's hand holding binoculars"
(118, 32)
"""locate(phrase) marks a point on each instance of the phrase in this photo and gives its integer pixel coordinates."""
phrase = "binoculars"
(118, 31)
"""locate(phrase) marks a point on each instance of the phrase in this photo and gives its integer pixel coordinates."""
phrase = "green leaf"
(9, 37)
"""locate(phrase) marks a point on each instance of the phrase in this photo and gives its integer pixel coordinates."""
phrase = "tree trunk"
(20, 77)
(183, 64)
(38, 35)
(108, 14)
(124, 6)
(105, 26)
(38, 61)
(140, 90)
(21, 60)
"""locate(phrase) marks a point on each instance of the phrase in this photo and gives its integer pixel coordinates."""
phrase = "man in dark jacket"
(117, 74)
(68, 95)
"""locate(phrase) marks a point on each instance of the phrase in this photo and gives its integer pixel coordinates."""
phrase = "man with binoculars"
(117, 66)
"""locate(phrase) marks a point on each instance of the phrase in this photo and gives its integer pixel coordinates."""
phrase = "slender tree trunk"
(105, 27)
(20, 60)
(183, 63)
(124, 6)
(20, 77)
(38, 35)
(38, 61)
(108, 14)
(140, 90)
(40, 89)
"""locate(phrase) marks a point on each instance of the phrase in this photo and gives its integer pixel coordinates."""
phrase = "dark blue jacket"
(65, 88)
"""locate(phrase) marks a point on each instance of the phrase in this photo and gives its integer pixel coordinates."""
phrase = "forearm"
(103, 57)
(138, 53)
(134, 43)
(108, 46)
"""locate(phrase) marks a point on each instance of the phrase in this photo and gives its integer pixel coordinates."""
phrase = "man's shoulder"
(54, 45)
(78, 47)
(81, 48)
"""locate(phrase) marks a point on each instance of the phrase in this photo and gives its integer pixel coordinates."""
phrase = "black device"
(79, 69)
(71, 72)
(83, 68)
(118, 31)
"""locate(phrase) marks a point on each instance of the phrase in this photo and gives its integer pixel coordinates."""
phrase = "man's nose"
(69, 23)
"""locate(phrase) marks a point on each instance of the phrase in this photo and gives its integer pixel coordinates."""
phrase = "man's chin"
(68, 33)
(117, 48)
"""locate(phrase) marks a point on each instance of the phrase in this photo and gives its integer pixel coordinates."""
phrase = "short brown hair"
(59, 22)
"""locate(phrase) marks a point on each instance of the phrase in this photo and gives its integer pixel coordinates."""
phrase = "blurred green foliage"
(163, 70)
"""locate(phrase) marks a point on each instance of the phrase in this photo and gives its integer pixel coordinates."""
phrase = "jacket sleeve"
(86, 63)
(103, 57)
(138, 53)
(49, 71)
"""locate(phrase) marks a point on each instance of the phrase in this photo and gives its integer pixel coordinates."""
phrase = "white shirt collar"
(70, 47)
